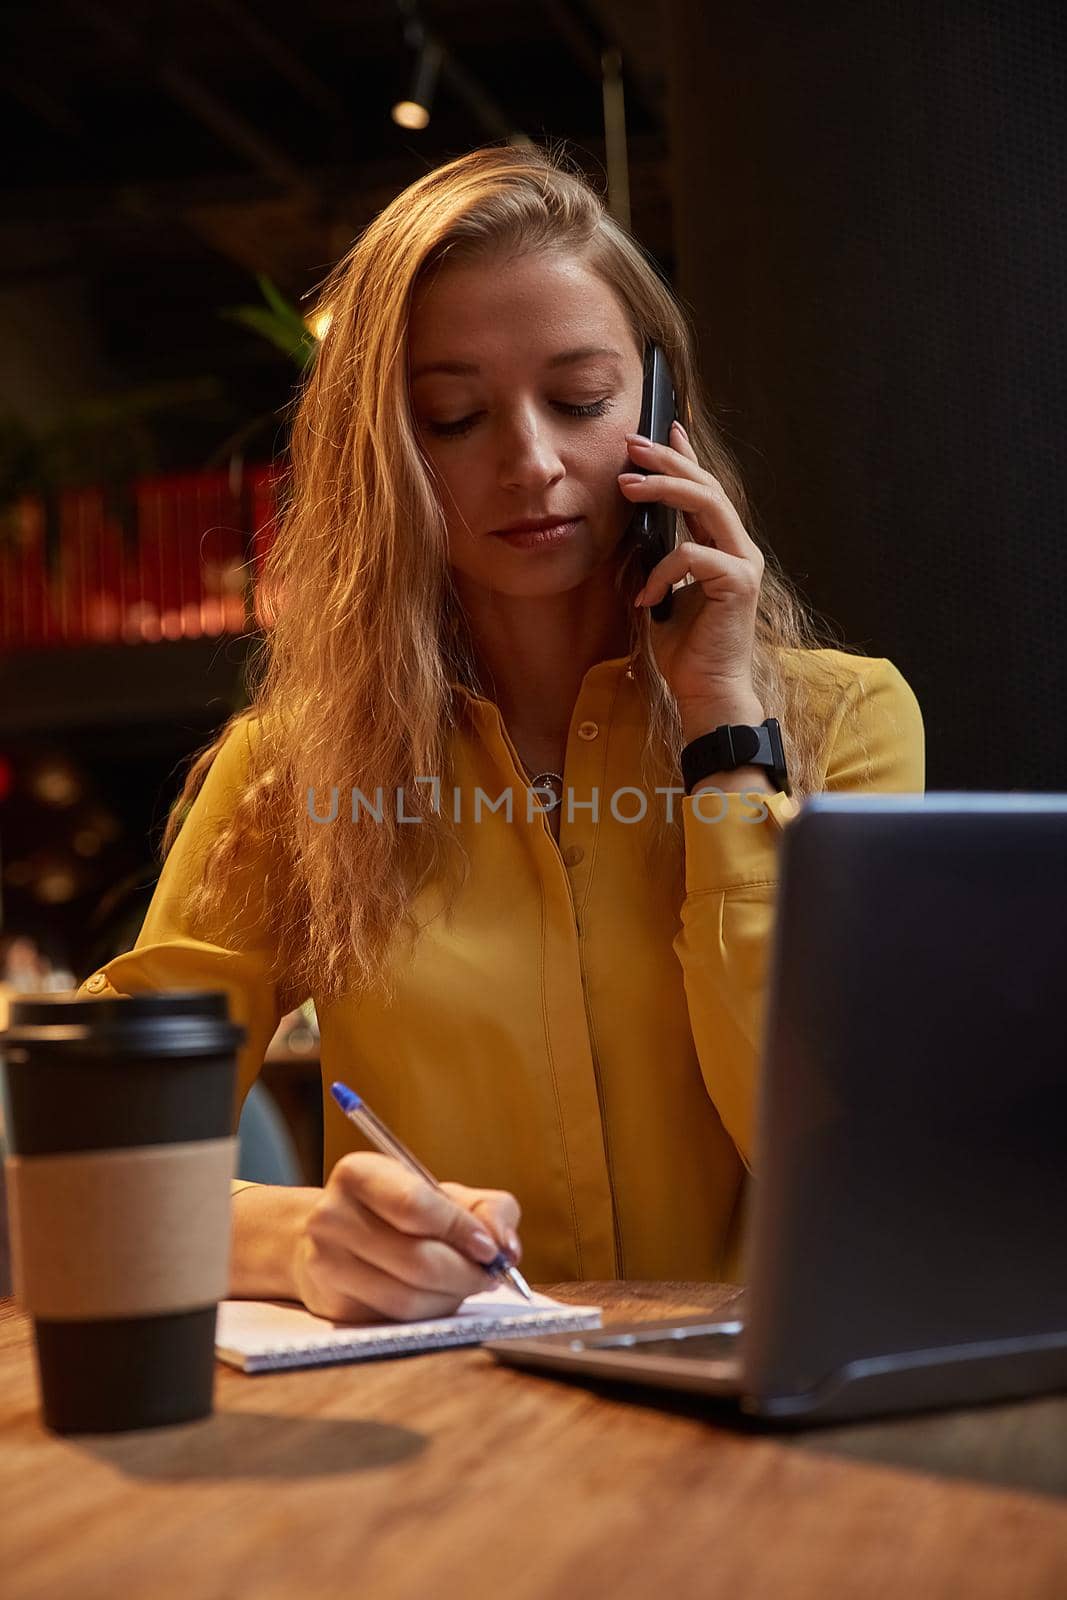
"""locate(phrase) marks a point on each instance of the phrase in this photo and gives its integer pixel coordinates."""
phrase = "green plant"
(279, 321)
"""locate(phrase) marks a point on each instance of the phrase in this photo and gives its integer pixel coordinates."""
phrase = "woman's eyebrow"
(564, 358)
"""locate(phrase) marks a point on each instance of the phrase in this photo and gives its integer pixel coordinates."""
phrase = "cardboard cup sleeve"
(121, 1233)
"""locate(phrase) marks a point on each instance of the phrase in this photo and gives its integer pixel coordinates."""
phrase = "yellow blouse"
(584, 1031)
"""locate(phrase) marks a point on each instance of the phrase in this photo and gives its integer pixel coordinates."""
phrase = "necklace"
(553, 781)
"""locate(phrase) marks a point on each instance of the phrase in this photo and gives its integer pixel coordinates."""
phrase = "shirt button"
(587, 730)
(97, 982)
(573, 854)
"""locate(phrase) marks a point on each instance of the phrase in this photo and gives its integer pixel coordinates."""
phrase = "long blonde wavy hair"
(367, 634)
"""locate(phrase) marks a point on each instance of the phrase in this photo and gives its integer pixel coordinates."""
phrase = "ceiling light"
(414, 112)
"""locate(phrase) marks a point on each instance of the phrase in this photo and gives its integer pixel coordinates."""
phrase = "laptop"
(907, 1238)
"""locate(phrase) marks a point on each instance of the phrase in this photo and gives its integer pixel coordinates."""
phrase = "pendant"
(553, 782)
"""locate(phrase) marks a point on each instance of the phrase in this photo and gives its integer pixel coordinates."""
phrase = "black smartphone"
(652, 524)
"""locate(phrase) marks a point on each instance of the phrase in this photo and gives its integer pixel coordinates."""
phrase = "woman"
(561, 1005)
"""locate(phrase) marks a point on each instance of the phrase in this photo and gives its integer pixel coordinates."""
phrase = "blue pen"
(359, 1112)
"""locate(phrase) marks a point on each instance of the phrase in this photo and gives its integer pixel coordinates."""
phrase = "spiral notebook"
(266, 1335)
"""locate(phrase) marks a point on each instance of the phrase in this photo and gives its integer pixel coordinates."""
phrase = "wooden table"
(446, 1475)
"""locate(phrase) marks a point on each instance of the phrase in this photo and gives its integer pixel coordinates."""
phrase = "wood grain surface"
(446, 1475)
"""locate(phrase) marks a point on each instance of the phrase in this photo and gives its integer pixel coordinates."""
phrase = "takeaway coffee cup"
(120, 1126)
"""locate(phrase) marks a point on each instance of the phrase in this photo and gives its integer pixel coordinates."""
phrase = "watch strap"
(731, 746)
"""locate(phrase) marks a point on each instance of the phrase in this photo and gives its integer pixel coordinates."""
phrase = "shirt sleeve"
(172, 951)
(731, 882)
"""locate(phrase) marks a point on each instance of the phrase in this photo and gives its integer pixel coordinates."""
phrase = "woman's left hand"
(704, 650)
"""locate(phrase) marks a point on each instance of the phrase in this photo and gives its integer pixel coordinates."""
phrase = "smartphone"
(652, 524)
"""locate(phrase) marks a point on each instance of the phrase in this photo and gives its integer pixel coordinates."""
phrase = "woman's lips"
(538, 538)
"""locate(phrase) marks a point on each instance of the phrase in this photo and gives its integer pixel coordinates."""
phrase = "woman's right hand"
(382, 1244)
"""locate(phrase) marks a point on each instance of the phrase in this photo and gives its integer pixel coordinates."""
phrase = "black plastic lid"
(173, 1022)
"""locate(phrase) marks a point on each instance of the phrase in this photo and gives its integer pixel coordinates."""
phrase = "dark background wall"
(871, 227)
(862, 202)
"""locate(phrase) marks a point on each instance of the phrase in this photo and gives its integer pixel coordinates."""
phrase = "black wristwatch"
(730, 747)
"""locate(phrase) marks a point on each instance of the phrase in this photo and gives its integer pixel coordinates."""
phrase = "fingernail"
(511, 1239)
(639, 438)
(631, 477)
(483, 1248)
(681, 430)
